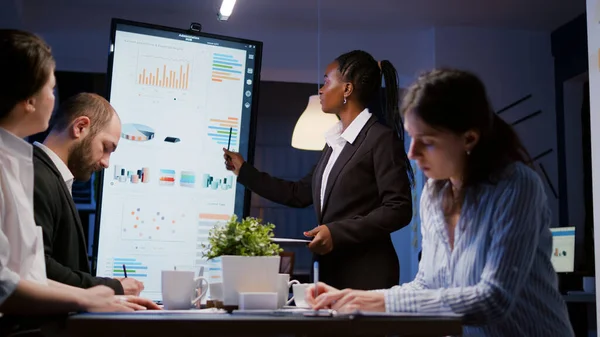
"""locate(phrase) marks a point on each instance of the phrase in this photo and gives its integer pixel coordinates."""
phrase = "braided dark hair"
(365, 74)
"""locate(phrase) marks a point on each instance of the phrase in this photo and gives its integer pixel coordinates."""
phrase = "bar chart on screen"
(144, 268)
(132, 175)
(169, 80)
(132, 266)
(164, 72)
(214, 183)
(219, 130)
(225, 67)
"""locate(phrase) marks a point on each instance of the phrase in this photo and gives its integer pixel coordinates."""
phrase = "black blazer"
(64, 242)
(367, 197)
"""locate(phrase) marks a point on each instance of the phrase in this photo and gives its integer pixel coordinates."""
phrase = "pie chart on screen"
(137, 132)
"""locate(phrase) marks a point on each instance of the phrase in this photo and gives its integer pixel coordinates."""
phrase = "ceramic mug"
(179, 287)
(299, 297)
(283, 289)
(216, 291)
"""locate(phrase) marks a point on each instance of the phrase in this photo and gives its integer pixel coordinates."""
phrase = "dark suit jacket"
(367, 197)
(64, 242)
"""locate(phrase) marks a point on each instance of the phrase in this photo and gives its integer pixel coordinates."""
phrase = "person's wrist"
(380, 302)
(239, 170)
(83, 301)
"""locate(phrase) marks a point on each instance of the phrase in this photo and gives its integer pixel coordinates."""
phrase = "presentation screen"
(182, 97)
(563, 249)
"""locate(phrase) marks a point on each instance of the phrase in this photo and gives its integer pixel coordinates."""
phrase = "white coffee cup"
(216, 291)
(283, 289)
(300, 295)
(179, 287)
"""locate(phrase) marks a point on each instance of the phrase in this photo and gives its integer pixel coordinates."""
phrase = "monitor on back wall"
(563, 249)
(182, 97)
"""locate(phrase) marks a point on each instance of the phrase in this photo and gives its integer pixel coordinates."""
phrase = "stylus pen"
(316, 277)
(229, 141)
(125, 271)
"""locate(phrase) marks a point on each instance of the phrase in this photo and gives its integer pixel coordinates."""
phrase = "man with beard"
(85, 132)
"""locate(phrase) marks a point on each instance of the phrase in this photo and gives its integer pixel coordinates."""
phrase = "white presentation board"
(181, 97)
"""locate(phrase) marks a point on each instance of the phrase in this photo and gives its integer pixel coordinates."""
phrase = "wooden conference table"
(177, 324)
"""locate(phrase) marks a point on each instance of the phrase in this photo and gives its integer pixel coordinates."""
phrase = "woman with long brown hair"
(484, 219)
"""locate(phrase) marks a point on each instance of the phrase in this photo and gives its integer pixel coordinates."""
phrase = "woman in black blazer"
(360, 187)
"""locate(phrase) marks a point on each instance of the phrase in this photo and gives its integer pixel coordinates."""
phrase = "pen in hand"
(316, 277)
(228, 159)
(229, 141)
(124, 271)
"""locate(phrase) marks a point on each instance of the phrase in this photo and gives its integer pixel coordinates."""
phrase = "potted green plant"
(249, 259)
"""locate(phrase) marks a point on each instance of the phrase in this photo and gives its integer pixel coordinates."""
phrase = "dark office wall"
(569, 48)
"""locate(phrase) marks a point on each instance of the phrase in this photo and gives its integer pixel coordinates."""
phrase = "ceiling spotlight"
(226, 9)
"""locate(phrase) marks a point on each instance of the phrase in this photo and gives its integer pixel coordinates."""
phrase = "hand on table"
(138, 303)
(131, 286)
(102, 299)
(323, 288)
(321, 242)
(349, 300)
(233, 161)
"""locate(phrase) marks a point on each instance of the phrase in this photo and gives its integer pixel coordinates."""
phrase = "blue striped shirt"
(499, 275)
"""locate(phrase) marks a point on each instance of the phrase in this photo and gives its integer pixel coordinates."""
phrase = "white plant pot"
(248, 274)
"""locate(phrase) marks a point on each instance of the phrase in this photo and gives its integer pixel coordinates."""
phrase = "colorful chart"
(123, 175)
(210, 182)
(159, 223)
(220, 130)
(133, 267)
(226, 68)
(165, 77)
(167, 177)
(187, 179)
(137, 132)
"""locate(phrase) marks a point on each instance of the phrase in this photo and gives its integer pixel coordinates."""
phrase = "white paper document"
(191, 311)
(286, 240)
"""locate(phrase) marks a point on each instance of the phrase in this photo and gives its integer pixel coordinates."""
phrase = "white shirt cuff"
(8, 283)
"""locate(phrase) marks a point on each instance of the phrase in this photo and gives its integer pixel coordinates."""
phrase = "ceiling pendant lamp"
(309, 132)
